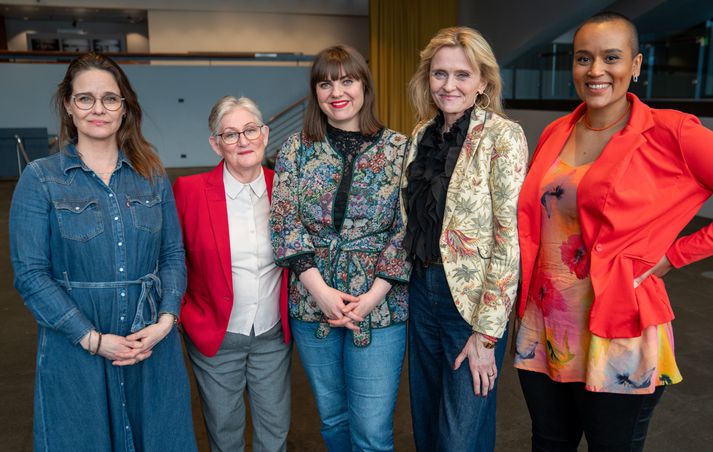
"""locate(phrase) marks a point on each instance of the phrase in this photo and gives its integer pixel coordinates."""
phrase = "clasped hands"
(132, 349)
(339, 308)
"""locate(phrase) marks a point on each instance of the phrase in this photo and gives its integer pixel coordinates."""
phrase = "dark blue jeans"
(446, 414)
(561, 412)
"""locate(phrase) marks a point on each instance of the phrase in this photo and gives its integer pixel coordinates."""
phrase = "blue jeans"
(355, 387)
(446, 414)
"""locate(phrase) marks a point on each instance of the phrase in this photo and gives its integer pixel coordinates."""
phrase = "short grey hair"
(227, 104)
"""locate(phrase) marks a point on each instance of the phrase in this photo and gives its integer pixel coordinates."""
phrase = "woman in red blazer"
(610, 187)
(234, 312)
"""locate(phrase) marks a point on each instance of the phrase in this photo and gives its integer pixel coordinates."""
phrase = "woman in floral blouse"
(336, 224)
(610, 187)
(465, 166)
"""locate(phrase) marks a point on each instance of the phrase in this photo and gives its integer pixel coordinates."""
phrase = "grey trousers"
(262, 363)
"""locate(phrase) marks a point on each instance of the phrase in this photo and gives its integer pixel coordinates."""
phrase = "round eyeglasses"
(111, 102)
(232, 137)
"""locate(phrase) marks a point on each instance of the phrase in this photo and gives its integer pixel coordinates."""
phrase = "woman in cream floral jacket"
(464, 169)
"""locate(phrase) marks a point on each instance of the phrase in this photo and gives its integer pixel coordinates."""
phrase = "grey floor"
(682, 422)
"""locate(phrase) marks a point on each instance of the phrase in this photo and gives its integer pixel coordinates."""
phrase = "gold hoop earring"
(487, 104)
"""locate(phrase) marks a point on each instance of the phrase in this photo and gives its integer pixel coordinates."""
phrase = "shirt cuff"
(301, 263)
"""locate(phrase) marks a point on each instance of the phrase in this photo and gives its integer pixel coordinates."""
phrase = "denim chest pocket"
(146, 211)
(79, 220)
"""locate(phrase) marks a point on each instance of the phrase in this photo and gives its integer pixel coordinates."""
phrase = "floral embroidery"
(307, 176)
(458, 242)
(479, 243)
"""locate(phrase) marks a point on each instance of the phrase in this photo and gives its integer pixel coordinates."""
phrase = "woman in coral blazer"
(234, 311)
(610, 187)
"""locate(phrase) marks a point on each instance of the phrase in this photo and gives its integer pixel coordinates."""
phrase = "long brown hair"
(129, 138)
(327, 65)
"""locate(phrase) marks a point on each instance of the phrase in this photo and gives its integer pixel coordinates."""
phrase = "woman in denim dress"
(98, 259)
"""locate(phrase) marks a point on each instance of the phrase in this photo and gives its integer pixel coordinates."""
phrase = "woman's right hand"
(331, 302)
(115, 348)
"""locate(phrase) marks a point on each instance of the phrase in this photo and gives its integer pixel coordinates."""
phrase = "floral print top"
(368, 243)
(554, 336)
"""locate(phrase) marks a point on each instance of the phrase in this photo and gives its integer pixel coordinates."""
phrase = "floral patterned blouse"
(554, 336)
(369, 242)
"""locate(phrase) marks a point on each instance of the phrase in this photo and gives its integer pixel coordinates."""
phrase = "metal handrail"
(286, 110)
(282, 124)
(20, 149)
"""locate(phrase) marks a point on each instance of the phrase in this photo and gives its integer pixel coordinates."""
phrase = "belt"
(150, 283)
(431, 262)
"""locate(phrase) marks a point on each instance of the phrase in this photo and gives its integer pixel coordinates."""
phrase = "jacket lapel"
(609, 168)
(218, 213)
(476, 129)
(269, 176)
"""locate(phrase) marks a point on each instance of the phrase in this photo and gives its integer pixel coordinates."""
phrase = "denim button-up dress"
(88, 256)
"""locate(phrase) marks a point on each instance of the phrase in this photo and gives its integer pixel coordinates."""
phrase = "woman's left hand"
(148, 337)
(367, 302)
(482, 365)
(662, 267)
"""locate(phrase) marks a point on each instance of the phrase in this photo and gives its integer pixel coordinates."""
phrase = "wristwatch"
(487, 341)
(488, 344)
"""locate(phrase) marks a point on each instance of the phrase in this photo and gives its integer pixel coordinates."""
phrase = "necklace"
(599, 129)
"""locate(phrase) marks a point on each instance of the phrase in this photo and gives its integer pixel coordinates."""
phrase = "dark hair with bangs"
(328, 65)
(610, 16)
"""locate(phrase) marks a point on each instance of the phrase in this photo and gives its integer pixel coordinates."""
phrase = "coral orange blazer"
(649, 181)
(206, 306)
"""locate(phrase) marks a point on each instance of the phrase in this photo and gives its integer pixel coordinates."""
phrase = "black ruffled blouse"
(348, 144)
(428, 177)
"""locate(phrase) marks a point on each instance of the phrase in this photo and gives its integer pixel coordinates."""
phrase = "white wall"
(191, 31)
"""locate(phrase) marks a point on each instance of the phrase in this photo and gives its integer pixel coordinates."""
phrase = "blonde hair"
(479, 54)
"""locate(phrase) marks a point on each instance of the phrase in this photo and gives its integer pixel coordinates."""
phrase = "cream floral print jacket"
(479, 242)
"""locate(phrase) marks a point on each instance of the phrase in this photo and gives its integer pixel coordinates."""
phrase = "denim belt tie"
(150, 293)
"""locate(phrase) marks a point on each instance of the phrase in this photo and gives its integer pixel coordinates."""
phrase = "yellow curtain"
(398, 30)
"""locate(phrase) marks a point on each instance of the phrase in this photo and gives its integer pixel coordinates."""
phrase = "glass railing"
(680, 67)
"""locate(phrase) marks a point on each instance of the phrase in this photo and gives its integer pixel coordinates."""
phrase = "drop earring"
(636, 79)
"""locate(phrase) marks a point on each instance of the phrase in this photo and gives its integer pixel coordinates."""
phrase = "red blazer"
(649, 181)
(203, 212)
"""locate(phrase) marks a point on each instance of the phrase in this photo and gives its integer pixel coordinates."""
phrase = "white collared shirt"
(256, 278)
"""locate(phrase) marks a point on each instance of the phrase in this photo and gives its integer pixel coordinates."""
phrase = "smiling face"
(454, 83)
(604, 63)
(341, 101)
(97, 123)
(243, 159)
